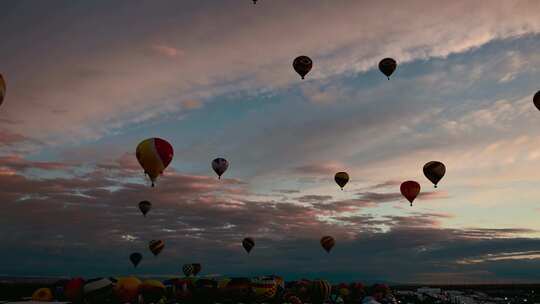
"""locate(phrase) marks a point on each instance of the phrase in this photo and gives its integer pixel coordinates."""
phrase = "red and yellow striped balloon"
(154, 155)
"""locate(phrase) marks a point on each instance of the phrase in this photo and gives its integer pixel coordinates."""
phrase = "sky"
(88, 80)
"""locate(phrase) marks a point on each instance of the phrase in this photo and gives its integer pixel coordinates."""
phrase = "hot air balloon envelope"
(154, 155)
(248, 244)
(302, 65)
(220, 165)
(434, 171)
(410, 190)
(327, 242)
(387, 66)
(341, 178)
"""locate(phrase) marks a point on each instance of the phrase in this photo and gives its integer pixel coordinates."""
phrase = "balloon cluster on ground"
(189, 289)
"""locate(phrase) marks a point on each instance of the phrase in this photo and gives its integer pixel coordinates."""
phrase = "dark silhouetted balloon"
(248, 244)
(254, 1)
(156, 246)
(196, 268)
(410, 190)
(154, 155)
(135, 258)
(341, 178)
(187, 269)
(145, 206)
(220, 165)
(434, 171)
(327, 242)
(302, 65)
(536, 100)
(387, 66)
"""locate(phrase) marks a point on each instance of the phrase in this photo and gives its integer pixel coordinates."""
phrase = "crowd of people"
(266, 289)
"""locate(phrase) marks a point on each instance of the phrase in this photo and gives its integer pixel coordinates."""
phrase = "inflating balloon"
(536, 100)
(248, 244)
(187, 269)
(126, 289)
(2, 89)
(387, 66)
(154, 155)
(264, 288)
(220, 165)
(327, 242)
(302, 65)
(135, 258)
(196, 268)
(434, 171)
(145, 206)
(410, 190)
(98, 290)
(42, 295)
(156, 246)
(152, 291)
(320, 291)
(341, 178)
(73, 291)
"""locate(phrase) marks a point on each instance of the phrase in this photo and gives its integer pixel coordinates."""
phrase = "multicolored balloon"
(156, 246)
(327, 242)
(145, 206)
(154, 155)
(187, 269)
(410, 190)
(248, 244)
(387, 66)
(434, 171)
(341, 178)
(135, 258)
(152, 291)
(320, 291)
(302, 65)
(220, 165)
(3, 89)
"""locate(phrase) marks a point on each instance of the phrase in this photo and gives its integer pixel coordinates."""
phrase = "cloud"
(241, 59)
(167, 50)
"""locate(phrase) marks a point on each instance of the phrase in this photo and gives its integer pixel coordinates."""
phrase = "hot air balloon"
(98, 290)
(152, 291)
(536, 100)
(410, 190)
(2, 89)
(196, 268)
(73, 291)
(220, 165)
(319, 291)
(254, 1)
(248, 244)
(264, 288)
(135, 258)
(327, 242)
(434, 171)
(42, 295)
(156, 246)
(341, 178)
(387, 66)
(154, 155)
(187, 269)
(126, 289)
(145, 206)
(302, 65)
